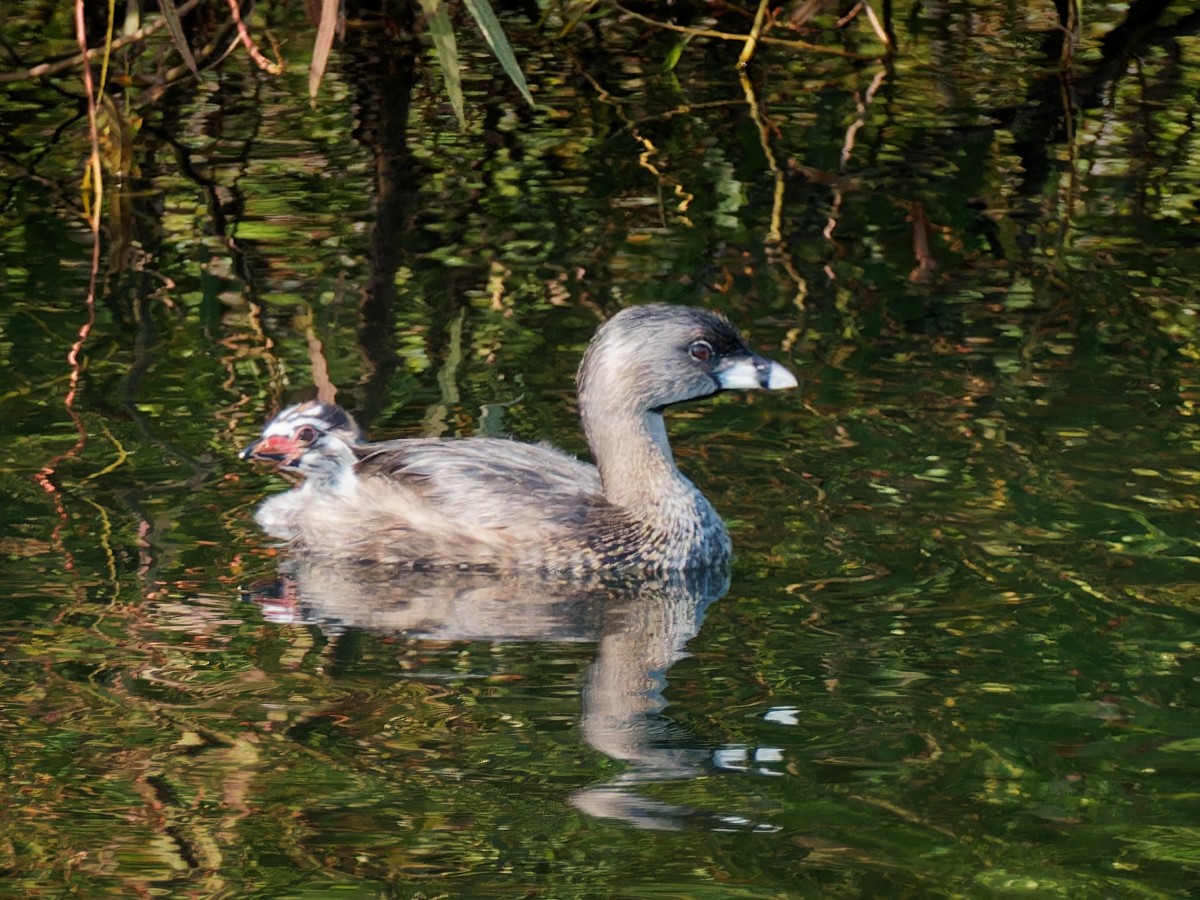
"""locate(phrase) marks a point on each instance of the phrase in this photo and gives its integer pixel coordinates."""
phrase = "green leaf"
(446, 47)
(178, 38)
(673, 56)
(481, 10)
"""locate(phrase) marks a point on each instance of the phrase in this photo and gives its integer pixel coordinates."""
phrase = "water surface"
(955, 655)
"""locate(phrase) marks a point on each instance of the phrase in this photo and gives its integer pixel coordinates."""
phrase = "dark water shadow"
(640, 628)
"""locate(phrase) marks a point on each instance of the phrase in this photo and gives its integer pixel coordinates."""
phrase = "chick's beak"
(273, 447)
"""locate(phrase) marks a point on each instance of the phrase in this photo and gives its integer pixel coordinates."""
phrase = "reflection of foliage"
(965, 615)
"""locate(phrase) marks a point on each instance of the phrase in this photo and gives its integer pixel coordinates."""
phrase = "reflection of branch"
(927, 265)
(847, 149)
(774, 231)
(649, 150)
(437, 416)
(774, 238)
(45, 476)
(880, 31)
(741, 38)
(326, 389)
(862, 104)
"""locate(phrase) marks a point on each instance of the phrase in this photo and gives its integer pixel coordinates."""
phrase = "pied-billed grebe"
(492, 503)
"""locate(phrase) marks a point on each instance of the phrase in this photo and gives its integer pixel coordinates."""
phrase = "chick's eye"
(701, 351)
(306, 433)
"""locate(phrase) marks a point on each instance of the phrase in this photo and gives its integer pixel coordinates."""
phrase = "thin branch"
(326, 389)
(95, 173)
(880, 31)
(45, 475)
(753, 38)
(773, 243)
(158, 84)
(741, 38)
(248, 42)
(44, 69)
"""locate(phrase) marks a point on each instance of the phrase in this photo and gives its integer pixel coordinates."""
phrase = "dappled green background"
(957, 655)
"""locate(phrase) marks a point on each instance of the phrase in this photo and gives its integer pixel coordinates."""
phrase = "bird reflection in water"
(640, 628)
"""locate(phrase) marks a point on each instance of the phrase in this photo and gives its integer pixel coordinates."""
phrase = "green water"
(956, 654)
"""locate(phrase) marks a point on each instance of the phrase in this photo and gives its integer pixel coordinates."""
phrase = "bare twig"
(880, 31)
(646, 156)
(775, 248)
(44, 69)
(248, 42)
(326, 389)
(752, 39)
(159, 83)
(862, 102)
(741, 38)
(94, 171)
(45, 475)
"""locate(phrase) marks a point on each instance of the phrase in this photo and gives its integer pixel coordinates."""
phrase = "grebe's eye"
(306, 433)
(701, 351)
